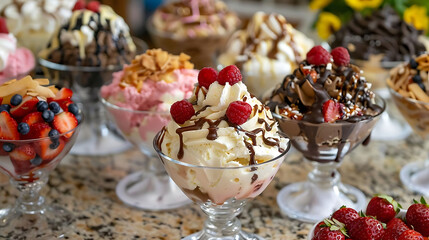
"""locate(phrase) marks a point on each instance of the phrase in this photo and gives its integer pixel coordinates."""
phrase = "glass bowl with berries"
(327, 109)
(83, 56)
(38, 126)
(382, 219)
(409, 87)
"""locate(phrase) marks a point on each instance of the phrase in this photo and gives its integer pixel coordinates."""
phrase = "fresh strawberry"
(383, 208)
(341, 56)
(28, 105)
(230, 74)
(63, 94)
(345, 215)
(47, 149)
(65, 122)
(411, 235)
(182, 111)
(394, 229)
(318, 56)
(418, 217)
(206, 77)
(93, 6)
(331, 111)
(319, 226)
(32, 118)
(64, 104)
(39, 130)
(365, 228)
(80, 4)
(8, 127)
(21, 158)
(3, 26)
(331, 230)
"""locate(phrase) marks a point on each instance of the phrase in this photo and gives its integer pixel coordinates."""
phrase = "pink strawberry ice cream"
(14, 62)
(142, 101)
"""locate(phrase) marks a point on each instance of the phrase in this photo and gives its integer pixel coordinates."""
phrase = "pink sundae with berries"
(221, 126)
(37, 125)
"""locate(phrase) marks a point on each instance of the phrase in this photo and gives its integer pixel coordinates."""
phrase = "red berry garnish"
(206, 77)
(382, 207)
(238, 112)
(411, 235)
(182, 111)
(318, 56)
(418, 217)
(394, 229)
(93, 6)
(345, 215)
(341, 56)
(365, 228)
(230, 74)
(331, 111)
(79, 5)
(3, 26)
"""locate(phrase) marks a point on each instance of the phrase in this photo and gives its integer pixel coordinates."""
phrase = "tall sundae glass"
(222, 149)
(327, 110)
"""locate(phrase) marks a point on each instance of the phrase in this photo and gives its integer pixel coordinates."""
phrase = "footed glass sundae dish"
(326, 109)
(83, 55)
(38, 126)
(409, 86)
(222, 149)
(139, 100)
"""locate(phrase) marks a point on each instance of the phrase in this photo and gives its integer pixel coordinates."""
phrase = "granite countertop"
(86, 186)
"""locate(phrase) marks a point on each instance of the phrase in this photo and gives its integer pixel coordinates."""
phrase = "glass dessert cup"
(99, 136)
(149, 189)
(391, 126)
(203, 50)
(324, 145)
(415, 175)
(31, 217)
(221, 192)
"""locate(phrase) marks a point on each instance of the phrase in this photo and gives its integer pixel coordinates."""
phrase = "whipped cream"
(7, 47)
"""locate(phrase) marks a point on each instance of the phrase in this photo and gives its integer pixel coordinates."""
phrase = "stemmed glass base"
(320, 195)
(151, 189)
(415, 176)
(222, 222)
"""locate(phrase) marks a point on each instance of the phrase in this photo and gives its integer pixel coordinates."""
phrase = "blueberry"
(16, 100)
(23, 128)
(8, 147)
(48, 116)
(42, 106)
(417, 79)
(54, 144)
(5, 107)
(36, 161)
(413, 64)
(53, 134)
(78, 118)
(73, 108)
(55, 107)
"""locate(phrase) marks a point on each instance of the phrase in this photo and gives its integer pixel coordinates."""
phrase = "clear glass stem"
(222, 219)
(325, 175)
(29, 200)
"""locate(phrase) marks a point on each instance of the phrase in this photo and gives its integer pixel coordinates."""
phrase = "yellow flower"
(319, 4)
(362, 4)
(416, 16)
(327, 24)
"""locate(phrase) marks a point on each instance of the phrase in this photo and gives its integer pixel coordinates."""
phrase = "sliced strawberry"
(65, 122)
(63, 94)
(32, 118)
(64, 104)
(39, 130)
(8, 127)
(21, 158)
(46, 151)
(331, 111)
(28, 105)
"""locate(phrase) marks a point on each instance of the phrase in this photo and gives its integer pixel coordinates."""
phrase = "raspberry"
(230, 74)
(182, 111)
(341, 56)
(318, 56)
(79, 5)
(238, 112)
(93, 6)
(206, 77)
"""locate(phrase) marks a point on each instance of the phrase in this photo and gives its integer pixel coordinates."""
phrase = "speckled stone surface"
(86, 186)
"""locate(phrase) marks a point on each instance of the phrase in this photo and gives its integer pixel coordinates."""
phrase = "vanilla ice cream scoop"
(266, 51)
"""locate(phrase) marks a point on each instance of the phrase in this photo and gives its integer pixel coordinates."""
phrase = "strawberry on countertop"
(383, 207)
(418, 217)
(366, 228)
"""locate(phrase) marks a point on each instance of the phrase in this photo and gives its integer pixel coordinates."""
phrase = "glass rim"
(278, 116)
(62, 67)
(44, 138)
(408, 99)
(111, 105)
(163, 156)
